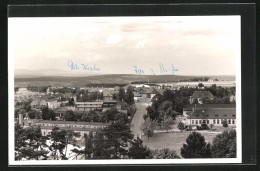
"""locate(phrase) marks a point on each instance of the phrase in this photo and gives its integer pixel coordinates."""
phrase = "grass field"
(175, 140)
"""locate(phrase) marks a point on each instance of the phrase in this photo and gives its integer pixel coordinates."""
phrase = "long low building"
(212, 115)
(81, 127)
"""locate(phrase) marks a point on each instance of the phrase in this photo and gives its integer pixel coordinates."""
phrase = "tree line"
(114, 142)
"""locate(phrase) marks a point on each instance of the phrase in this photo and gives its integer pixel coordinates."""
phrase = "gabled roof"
(214, 113)
(38, 102)
(202, 94)
(204, 106)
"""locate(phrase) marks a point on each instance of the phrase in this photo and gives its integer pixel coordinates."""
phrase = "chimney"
(21, 119)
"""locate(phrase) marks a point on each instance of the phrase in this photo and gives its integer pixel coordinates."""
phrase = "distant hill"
(24, 80)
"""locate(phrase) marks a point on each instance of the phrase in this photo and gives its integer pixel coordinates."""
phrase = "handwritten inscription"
(87, 67)
(162, 69)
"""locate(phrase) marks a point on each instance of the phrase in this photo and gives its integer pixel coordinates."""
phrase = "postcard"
(124, 90)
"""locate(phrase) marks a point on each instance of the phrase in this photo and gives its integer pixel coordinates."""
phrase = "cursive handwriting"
(162, 69)
(86, 67)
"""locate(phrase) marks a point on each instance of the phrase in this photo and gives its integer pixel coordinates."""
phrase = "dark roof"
(70, 128)
(214, 113)
(202, 94)
(203, 106)
(72, 123)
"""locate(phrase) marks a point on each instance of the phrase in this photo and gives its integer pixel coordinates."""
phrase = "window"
(200, 121)
(229, 121)
(233, 115)
(196, 121)
(207, 121)
(214, 121)
(233, 121)
(192, 121)
(225, 115)
(216, 115)
(197, 115)
(207, 115)
(217, 121)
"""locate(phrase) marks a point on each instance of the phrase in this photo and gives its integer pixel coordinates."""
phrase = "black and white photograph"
(124, 90)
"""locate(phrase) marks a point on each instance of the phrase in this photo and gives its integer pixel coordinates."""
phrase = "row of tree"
(41, 89)
(127, 96)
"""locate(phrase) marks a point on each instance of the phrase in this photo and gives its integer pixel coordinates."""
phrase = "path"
(138, 119)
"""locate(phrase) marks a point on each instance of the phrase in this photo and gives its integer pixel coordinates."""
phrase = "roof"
(70, 128)
(202, 94)
(203, 106)
(38, 102)
(92, 90)
(214, 113)
(72, 123)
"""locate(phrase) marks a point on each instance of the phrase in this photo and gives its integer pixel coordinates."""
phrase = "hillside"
(105, 79)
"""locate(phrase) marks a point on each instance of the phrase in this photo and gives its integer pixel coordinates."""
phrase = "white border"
(121, 161)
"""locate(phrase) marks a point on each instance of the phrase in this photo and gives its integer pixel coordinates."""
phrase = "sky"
(192, 45)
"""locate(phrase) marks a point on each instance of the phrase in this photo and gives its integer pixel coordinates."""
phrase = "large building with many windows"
(213, 114)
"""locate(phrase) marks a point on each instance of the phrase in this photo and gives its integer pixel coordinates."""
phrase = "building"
(38, 104)
(213, 114)
(81, 127)
(87, 106)
(108, 105)
(200, 95)
(52, 103)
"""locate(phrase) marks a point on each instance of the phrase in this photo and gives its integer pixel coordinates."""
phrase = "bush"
(224, 123)
(204, 126)
(181, 126)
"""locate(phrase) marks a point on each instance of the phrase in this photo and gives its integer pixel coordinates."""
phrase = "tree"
(48, 114)
(181, 126)
(86, 117)
(29, 144)
(137, 150)
(71, 101)
(224, 123)
(69, 116)
(32, 114)
(164, 153)
(121, 94)
(121, 118)
(168, 122)
(148, 128)
(165, 110)
(59, 141)
(200, 85)
(196, 147)
(129, 98)
(88, 149)
(112, 141)
(224, 145)
(16, 89)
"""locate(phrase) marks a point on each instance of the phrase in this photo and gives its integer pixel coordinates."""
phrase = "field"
(175, 140)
